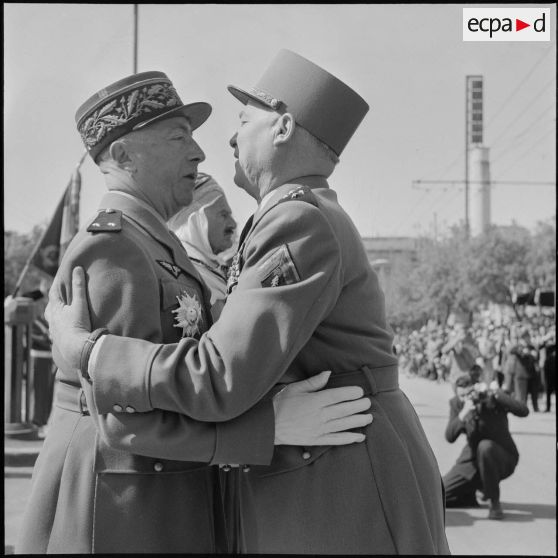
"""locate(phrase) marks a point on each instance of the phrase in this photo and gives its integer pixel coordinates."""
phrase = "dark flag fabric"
(62, 228)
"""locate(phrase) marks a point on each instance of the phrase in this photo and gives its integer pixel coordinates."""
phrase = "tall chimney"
(479, 191)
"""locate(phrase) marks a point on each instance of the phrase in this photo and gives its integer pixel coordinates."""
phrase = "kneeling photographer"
(490, 455)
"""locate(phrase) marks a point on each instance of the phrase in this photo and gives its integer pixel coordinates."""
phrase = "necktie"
(245, 230)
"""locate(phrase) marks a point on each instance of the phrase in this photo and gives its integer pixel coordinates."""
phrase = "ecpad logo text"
(506, 24)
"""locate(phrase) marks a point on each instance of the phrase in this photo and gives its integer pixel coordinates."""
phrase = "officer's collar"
(143, 204)
(273, 197)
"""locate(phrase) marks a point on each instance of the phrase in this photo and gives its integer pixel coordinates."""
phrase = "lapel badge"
(173, 269)
(188, 314)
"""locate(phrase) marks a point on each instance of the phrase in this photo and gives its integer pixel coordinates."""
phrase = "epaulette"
(300, 193)
(108, 220)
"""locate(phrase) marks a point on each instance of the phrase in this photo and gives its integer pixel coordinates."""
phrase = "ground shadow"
(538, 511)
(459, 518)
(513, 513)
(518, 433)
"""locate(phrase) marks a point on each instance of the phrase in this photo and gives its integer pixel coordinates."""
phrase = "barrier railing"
(19, 314)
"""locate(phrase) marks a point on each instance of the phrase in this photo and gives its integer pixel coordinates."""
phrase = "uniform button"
(130, 409)
(158, 467)
(226, 468)
(116, 407)
(306, 455)
(246, 468)
(109, 210)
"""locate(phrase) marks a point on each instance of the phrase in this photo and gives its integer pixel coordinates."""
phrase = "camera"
(482, 395)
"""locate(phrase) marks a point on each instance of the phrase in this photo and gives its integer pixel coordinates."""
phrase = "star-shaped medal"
(188, 314)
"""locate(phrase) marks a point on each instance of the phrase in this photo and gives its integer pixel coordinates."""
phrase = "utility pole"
(467, 156)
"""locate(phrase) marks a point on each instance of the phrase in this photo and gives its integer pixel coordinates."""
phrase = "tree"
(429, 286)
(541, 263)
(458, 274)
(17, 249)
(499, 259)
(402, 300)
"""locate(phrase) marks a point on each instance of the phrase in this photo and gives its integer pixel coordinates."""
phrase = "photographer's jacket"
(488, 422)
(127, 482)
(303, 299)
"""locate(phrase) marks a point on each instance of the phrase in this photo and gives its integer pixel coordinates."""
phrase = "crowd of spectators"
(518, 354)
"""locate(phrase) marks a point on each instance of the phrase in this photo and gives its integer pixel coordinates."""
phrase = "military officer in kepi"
(304, 298)
(120, 481)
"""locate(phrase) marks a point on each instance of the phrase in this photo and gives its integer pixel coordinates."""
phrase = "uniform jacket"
(134, 482)
(303, 299)
(492, 424)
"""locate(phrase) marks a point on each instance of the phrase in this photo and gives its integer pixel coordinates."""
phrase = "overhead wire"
(460, 156)
(440, 203)
(452, 164)
(515, 141)
(441, 210)
(527, 151)
(514, 121)
(417, 212)
(520, 85)
(407, 216)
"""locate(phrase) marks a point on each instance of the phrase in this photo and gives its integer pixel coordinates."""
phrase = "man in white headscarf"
(206, 228)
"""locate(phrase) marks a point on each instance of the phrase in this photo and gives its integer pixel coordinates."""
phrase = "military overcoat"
(303, 299)
(134, 482)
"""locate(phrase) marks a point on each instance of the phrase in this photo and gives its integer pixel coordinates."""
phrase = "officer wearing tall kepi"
(121, 481)
(302, 294)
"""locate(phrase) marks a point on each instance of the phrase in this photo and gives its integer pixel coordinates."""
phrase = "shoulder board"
(300, 193)
(108, 220)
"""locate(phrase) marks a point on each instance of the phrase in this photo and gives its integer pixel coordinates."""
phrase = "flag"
(62, 228)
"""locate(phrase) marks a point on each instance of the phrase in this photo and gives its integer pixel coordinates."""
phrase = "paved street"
(528, 497)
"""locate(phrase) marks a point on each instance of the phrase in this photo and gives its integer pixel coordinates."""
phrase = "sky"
(408, 61)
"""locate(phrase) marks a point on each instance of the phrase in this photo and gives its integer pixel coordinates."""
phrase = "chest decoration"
(234, 272)
(279, 269)
(173, 269)
(188, 314)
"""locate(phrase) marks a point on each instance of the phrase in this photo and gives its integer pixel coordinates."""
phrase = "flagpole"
(39, 242)
(135, 38)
